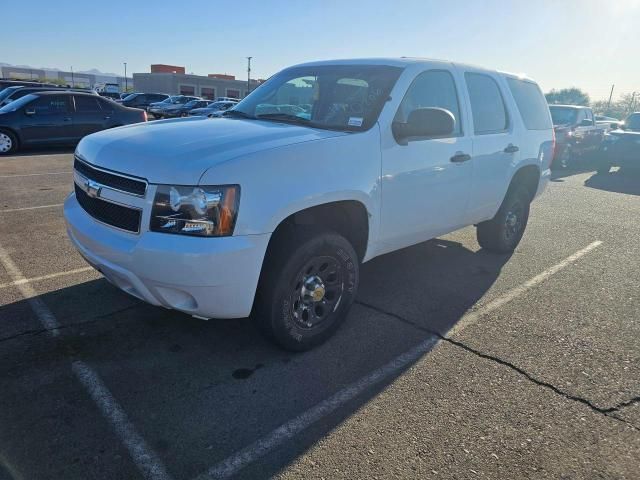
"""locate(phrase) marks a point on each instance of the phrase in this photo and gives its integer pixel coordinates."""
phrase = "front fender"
(283, 180)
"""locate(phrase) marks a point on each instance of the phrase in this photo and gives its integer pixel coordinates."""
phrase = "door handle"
(107, 117)
(511, 148)
(460, 157)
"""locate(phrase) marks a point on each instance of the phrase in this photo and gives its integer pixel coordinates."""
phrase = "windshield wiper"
(237, 113)
(288, 117)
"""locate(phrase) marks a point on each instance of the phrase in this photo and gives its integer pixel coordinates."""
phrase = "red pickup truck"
(577, 134)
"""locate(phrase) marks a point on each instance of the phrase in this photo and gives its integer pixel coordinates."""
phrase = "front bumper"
(206, 277)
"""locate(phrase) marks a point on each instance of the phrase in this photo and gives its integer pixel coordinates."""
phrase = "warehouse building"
(173, 80)
(75, 79)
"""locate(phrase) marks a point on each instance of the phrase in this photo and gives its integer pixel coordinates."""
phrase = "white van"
(270, 212)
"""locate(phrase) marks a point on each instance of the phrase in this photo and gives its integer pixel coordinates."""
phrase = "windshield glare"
(563, 115)
(16, 104)
(336, 97)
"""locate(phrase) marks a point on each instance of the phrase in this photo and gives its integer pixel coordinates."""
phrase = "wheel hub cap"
(5, 143)
(313, 289)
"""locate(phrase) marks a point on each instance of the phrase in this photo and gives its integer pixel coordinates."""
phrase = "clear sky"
(585, 43)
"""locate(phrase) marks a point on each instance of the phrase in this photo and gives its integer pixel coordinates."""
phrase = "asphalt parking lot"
(454, 363)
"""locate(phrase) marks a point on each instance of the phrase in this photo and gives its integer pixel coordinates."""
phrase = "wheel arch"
(527, 176)
(349, 218)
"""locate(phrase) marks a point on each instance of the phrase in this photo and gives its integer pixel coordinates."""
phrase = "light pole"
(126, 85)
(249, 75)
(72, 81)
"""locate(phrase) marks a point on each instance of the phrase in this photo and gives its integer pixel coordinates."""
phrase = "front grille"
(115, 215)
(117, 182)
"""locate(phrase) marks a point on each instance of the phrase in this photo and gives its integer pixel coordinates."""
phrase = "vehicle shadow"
(200, 391)
(620, 181)
(35, 151)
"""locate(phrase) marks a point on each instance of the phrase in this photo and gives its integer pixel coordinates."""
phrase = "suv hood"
(180, 151)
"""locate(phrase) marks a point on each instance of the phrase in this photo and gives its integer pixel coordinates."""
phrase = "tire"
(307, 287)
(8, 142)
(503, 233)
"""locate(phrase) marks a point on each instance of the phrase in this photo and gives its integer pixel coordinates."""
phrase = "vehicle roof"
(404, 62)
(62, 92)
(567, 106)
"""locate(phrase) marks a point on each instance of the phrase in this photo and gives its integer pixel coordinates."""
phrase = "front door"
(425, 181)
(48, 120)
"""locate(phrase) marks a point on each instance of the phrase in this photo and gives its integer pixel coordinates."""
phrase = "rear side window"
(87, 104)
(434, 88)
(487, 106)
(531, 104)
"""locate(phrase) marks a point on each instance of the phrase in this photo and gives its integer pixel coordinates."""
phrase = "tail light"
(553, 147)
(144, 116)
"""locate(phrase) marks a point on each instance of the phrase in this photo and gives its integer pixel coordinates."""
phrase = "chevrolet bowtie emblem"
(92, 188)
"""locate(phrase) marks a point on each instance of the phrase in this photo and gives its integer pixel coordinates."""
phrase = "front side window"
(633, 122)
(487, 106)
(49, 105)
(435, 88)
(335, 97)
(531, 104)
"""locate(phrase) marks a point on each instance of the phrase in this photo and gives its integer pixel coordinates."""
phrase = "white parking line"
(472, 317)
(35, 174)
(37, 305)
(145, 459)
(46, 277)
(9, 210)
(236, 462)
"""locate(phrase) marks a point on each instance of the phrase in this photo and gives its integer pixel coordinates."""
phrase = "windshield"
(7, 91)
(219, 105)
(633, 122)
(191, 103)
(16, 104)
(563, 115)
(178, 100)
(335, 97)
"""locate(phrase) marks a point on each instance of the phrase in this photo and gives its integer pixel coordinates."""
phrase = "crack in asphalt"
(603, 411)
(40, 331)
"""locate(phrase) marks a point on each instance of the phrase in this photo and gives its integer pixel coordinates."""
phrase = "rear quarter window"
(531, 104)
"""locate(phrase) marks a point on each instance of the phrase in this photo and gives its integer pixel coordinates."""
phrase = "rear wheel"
(503, 233)
(307, 287)
(8, 142)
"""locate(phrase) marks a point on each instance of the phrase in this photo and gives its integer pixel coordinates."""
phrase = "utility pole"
(72, 81)
(610, 96)
(249, 75)
(633, 102)
(126, 85)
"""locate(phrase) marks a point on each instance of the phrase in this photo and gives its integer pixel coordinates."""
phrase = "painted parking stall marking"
(147, 461)
(10, 210)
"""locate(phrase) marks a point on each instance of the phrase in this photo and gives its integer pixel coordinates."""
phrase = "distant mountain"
(93, 71)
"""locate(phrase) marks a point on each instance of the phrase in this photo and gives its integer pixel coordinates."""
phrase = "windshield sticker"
(355, 121)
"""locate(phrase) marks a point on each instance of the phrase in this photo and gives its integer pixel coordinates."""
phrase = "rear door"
(495, 147)
(48, 120)
(89, 116)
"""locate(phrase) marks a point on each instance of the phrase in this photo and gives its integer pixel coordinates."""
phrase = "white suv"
(271, 210)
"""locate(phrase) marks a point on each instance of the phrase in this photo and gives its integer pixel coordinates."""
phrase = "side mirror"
(425, 123)
(29, 111)
(586, 123)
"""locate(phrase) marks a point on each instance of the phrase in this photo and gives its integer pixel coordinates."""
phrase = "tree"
(568, 96)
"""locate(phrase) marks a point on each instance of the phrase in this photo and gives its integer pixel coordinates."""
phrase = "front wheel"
(306, 290)
(8, 142)
(503, 233)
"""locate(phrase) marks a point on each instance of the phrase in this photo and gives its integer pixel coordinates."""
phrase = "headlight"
(202, 211)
